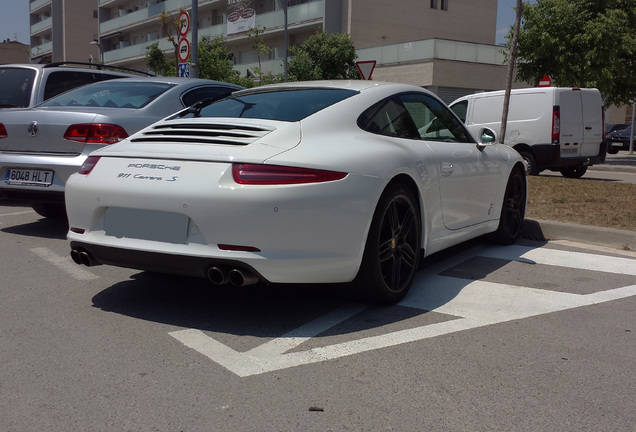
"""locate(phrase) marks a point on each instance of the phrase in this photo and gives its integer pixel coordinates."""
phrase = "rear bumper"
(182, 265)
(546, 155)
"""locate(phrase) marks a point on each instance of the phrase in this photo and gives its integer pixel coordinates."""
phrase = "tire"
(573, 172)
(513, 209)
(531, 163)
(612, 151)
(392, 250)
(50, 210)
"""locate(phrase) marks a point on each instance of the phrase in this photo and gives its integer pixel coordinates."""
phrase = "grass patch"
(581, 201)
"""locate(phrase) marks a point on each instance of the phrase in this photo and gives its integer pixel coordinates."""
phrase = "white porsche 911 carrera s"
(306, 182)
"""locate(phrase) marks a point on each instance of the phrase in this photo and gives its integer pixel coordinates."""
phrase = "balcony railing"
(42, 25)
(37, 4)
(42, 49)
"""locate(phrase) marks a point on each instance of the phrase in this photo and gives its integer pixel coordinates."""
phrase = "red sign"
(366, 68)
(546, 81)
(184, 49)
(184, 23)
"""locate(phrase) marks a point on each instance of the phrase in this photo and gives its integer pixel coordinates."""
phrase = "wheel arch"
(411, 184)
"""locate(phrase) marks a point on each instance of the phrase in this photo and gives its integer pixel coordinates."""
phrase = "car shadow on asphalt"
(43, 228)
(262, 311)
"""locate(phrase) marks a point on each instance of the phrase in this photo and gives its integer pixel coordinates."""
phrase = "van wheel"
(531, 163)
(574, 172)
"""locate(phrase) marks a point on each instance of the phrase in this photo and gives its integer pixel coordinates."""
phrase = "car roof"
(170, 80)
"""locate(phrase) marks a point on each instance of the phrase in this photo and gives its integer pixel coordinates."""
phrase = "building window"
(445, 5)
(433, 4)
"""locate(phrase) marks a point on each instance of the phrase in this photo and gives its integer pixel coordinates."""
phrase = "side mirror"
(487, 136)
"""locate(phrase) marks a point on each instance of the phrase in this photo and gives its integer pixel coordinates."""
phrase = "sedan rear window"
(16, 85)
(112, 94)
(289, 105)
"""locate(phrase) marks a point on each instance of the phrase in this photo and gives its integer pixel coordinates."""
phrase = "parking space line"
(474, 304)
(17, 213)
(65, 264)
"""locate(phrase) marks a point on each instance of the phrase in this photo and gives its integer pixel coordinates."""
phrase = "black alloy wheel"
(513, 208)
(392, 251)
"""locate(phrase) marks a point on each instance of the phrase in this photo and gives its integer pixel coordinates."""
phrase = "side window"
(389, 118)
(433, 120)
(197, 94)
(60, 81)
(460, 109)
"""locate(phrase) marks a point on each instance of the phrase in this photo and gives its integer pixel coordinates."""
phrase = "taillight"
(603, 122)
(556, 125)
(3, 131)
(97, 133)
(88, 165)
(256, 174)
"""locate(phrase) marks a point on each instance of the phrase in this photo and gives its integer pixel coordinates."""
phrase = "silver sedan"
(40, 148)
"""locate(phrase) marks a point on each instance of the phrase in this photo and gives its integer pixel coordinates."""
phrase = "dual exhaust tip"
(82, 257)
(216, 275)
(236, 277)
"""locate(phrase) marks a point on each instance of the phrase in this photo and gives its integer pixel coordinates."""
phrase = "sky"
(14, 19)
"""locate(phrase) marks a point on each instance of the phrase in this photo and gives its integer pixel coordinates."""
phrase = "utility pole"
(194, 22)
(284, 4)
(511, 66)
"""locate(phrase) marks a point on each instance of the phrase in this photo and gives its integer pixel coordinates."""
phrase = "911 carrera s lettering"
(155, 166)
(145, 177)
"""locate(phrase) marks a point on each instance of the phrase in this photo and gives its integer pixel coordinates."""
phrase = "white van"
(555, 128)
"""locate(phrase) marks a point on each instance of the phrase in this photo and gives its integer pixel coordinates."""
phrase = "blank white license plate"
(28, 177)
(146, 225)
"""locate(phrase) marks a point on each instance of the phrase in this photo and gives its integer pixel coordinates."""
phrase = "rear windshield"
(282, 104)
(111, 94)
(16, 85)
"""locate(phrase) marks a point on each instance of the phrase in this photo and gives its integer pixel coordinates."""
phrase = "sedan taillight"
(256, 174)
(3, 131)
(96, 133)
(88, 165)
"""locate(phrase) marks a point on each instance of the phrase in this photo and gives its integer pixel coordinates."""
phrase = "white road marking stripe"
(17, 213)
(577, 260)
(65, 264)
(474, 303)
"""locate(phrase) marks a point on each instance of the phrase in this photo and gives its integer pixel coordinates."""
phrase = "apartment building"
(444, 45)
(63, 30)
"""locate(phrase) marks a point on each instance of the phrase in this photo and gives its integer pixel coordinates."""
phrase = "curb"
(542, 230)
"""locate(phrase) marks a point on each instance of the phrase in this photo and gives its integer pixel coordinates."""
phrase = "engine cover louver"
(207, 133)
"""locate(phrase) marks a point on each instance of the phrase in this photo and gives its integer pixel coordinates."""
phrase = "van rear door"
(592, 122)
(571, 121)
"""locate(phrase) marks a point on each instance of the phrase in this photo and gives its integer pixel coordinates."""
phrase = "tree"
(216, 62)
(324, 56)
(580, 43)
(157, 62)
(255, 34)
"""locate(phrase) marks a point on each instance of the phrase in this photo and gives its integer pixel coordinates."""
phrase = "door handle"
(446, 168)
(588, 128)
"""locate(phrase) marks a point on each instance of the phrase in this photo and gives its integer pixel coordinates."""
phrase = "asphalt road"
(535, 336)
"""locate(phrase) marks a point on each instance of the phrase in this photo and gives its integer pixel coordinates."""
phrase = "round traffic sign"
(184, 23)
(184, 49)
